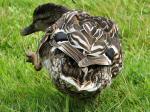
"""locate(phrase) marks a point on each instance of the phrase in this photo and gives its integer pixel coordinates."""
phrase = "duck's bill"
(28, 30)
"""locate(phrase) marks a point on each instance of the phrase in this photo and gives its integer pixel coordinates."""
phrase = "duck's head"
(43, 17)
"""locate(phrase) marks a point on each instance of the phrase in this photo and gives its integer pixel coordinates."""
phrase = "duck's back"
(96, 38)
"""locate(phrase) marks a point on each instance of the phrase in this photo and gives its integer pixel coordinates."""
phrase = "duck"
(81, 52)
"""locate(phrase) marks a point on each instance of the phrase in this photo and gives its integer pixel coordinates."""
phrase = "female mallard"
(81, 52)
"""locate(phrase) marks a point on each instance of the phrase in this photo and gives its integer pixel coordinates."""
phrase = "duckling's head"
(44, 16)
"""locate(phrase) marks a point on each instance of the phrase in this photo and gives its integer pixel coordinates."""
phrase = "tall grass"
(22, 89)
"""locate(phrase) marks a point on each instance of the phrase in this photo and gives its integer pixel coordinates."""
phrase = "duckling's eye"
(60, 36)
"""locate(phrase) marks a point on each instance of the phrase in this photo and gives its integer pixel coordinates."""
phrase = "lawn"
(22, 89)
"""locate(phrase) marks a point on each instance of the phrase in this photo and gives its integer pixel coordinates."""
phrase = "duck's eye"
(110, 53)
(60, 36)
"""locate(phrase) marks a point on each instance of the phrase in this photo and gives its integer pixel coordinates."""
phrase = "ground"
(22, 89)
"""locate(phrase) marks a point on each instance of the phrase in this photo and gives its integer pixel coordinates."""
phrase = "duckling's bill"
(28, 30)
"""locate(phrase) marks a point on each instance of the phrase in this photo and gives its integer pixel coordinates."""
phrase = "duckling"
(82, 53)
(44, 16)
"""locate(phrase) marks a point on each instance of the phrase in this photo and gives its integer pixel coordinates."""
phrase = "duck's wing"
(104, 47)
(95, 37)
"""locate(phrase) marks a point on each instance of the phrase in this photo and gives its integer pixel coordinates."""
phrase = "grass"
(22, 89)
